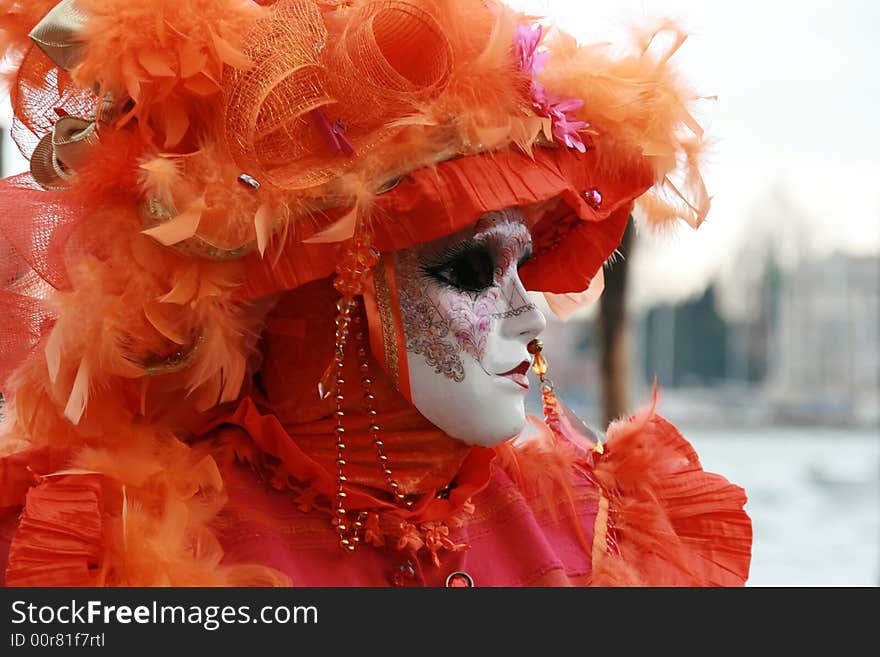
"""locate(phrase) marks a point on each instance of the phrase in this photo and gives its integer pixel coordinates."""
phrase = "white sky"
(795, 127)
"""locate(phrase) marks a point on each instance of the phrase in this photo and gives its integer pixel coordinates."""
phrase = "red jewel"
(459, 580)
(593, 197)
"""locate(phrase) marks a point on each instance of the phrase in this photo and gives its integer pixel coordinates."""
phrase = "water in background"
(814, 500)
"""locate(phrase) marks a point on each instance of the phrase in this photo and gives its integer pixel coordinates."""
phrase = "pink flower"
(526, 42)
(565, 125)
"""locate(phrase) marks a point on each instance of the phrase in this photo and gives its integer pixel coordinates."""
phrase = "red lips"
(518, 374)
(522, 368)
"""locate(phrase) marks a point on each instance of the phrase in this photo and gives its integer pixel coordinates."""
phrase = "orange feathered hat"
(187, 156)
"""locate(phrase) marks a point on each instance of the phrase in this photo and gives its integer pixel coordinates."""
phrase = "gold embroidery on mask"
(389, 337)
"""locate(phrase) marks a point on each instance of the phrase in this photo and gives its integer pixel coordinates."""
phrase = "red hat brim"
(572, 239)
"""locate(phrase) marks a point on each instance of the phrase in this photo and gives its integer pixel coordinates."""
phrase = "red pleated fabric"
(59, 540)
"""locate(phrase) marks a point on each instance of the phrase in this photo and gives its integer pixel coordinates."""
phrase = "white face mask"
(468, 321)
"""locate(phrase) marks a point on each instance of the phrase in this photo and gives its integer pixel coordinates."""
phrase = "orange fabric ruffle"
(670, 523)
(300, 470)
(20, 471)
(89, 518)
(60, 538)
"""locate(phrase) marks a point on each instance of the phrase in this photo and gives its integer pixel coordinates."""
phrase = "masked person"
(269, 288)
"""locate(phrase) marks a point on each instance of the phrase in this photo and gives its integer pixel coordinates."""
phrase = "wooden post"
(613, 329)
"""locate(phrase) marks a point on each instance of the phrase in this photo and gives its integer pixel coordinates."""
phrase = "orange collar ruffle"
(288, 465)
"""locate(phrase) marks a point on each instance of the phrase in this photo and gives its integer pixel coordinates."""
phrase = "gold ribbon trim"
(57, 34)
(58, 153)
(600, 531)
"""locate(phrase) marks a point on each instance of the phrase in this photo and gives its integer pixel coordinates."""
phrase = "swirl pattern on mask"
(425, 327)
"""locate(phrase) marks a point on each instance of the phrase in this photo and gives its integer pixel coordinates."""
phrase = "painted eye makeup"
(526, 256)
(467, 266)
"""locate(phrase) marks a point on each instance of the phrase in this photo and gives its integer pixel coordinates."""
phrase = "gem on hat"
(593, 197)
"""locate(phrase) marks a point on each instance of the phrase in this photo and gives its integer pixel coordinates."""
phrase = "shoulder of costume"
(661, 519)
(669, 522)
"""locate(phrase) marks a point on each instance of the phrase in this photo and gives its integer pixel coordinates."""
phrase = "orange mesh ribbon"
(389, 57)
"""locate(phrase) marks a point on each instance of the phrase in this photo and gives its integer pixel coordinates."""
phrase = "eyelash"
(447, 259)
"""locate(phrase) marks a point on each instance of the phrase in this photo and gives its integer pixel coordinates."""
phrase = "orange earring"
(553, 413)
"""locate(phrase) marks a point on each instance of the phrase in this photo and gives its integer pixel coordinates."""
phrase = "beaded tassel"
(355, 262)
(550, 405)
(349, 537)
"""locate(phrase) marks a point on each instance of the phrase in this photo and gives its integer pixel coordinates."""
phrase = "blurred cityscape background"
(761, 327)
(803, 352)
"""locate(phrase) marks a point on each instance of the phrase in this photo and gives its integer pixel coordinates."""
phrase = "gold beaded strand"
(357, 257)
(349, 537)
(369, 399)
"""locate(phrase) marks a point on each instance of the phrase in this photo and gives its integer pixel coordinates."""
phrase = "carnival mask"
(467, 321)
